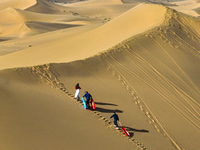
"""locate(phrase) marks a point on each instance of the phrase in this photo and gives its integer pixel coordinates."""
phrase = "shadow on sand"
(108, 110)
(132, 130)
(100, 103)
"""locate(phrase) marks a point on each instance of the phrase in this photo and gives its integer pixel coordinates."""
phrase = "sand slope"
(36, 116)
(144, 66)
(159, 70)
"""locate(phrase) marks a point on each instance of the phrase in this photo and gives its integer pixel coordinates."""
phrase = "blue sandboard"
(84, 104)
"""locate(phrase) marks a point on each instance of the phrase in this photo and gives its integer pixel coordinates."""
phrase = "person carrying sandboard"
(88, 97)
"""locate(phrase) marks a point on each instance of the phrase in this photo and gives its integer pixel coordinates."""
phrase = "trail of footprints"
(47, 76)
(138, 102)
(141, 105)
(177, 41)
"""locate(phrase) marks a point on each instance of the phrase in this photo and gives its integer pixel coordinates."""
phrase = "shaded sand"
(144, 66)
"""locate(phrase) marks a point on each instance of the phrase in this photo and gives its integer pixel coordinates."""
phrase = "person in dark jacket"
(116, 118)
(88, 97)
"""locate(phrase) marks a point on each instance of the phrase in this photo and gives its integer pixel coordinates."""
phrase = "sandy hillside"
(144, 66)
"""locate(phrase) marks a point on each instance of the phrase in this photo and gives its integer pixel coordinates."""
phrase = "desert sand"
(140, 59)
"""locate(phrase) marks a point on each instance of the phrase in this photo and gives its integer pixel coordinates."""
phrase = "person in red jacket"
(77, 88)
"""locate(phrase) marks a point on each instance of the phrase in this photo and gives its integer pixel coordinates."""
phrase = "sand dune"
(142, 64)
(46, 7)
(24, 23)
(97, 40)
(17, 30)
(14, 16)
(98, 8)
(22, 4)
(96, 3)
(189, 7)
(45, 11)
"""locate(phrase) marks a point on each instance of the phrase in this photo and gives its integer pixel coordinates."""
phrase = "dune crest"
(36, 22)
(134, 21)
(94, 3)
(12, 26)
(99, 39)
(44, 6)
(14, 16)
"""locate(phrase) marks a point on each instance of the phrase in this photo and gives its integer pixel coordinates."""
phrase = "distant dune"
(140, 60)
(22, 4)
(189, 7)
(98, 40)
(44, 6)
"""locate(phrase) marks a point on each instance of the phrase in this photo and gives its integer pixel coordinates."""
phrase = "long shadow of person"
(101, 103)
(108, 110)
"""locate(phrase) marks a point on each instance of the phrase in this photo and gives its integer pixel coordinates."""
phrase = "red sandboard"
(93, 104)
(125, 131)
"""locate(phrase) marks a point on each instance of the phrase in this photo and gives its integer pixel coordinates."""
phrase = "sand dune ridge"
(34, 23)
(14, 16)
(109, 30)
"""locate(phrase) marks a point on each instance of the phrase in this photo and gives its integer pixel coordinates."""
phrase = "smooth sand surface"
(22, 4)
(139, 60)
(188, 7)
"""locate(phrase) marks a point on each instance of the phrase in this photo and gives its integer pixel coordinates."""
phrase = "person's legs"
(88, 103)
(77, 94)
(115, 123)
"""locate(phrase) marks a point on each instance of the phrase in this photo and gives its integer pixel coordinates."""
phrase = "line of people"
(88, 97)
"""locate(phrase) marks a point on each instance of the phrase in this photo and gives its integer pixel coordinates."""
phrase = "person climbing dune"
(77, 88)
(116, 118)
(88, 98)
